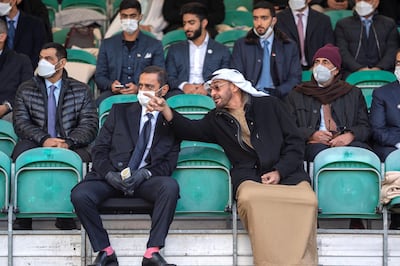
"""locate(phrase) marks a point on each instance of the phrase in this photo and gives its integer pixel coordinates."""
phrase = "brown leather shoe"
(155, 260)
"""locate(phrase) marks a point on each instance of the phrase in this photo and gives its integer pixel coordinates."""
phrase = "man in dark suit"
(190, 63)
(15, 68)
(123, 57)
(266, 150)
(26, 34)
(266, 56)
(116, 146)
(216, 14)
(310, 29)
(385, 123)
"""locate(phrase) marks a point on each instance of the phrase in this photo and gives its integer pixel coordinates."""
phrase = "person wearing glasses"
(133, 156)
(266, 150)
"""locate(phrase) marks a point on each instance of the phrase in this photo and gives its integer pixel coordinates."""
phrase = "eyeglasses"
(218, 86)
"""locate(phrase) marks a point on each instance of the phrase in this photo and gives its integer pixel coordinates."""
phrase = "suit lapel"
(120, 56)
(311, 25)
(186, 57)
(291, 25)
(133, 116)
(20, 26)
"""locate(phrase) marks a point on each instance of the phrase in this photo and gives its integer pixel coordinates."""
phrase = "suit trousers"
(162, 191)
(281, 221)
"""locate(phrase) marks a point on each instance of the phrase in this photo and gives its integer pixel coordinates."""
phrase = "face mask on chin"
(296, 4)
(322, 74)
(46, 69)
(266, 34)
(363, 8)
(5, 9)
(129, 25)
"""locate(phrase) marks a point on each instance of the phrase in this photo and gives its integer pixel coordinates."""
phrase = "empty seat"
(43, 181)
(347, 183)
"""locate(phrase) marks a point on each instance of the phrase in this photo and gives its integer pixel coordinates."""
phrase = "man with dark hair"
(54, 110)
(122, 57)
(26, 34)
(276, 203)
(126, 164)
(14, 69)
(266, 56)
(215, 8)
(189, 63)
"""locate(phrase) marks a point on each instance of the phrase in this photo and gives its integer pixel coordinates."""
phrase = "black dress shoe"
(102, 259)
(22, 224)
(65, 224)
(155, 260)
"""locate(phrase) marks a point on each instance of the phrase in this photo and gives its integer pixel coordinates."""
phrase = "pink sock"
(109, 250)
(149, 252)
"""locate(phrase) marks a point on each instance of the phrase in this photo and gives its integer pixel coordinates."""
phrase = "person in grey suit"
(317, 29)
(123, 57)
(189, 63)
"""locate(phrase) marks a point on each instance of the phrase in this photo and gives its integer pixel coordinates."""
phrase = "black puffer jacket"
(77, 120)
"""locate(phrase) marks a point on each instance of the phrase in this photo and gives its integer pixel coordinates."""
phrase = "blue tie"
(141, 144)
(11, 34)
(367, 25)
(51, 112)
(265, 79)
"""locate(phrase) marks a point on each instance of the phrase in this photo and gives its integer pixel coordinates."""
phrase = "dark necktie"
(141, 144)
(11, 34)
(51, 112)
(265, 79)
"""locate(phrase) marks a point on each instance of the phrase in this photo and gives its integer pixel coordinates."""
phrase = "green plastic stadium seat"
(8, 138)
(336, 15)
(229, 37)
(236, 18)
(106, 104)
(392, 163)
(347, 183)
(193, 106)
(5, 177)
(234, 4)
(43, 181)
(172, 37)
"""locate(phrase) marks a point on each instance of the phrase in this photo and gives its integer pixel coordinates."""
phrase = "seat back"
(43, 181)
(306, 75)
(60, 36)
(81, 56)
(204, 180)
(229, 37)
(336, 15)
(347, 183)
(392, 163)
(193, 106)
(367, 81)
(172, 37)
(97, 5)
(235, 4)
(238, 19)
(8, 138)
(106, 104)
(5, 177)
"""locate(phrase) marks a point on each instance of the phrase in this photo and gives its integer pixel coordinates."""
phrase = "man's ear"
(204, 23)
(164, 90)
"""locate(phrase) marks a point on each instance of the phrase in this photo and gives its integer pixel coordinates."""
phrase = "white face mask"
(322, 74)
(363, 8)
(129, 25)
(5, 9)
(143, 99)
(266, 34)
(297, 4)
(397, 72)
(46, 69)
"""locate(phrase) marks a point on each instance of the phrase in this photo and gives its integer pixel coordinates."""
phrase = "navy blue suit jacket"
(385, 115)
(109, 61)
(318, 31)
(247, 57)
(30, 36)
(118, 137)
(178, 61)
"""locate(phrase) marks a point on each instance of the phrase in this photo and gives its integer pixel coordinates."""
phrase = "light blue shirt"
(143, 119)
(15, 19)
(58, 85)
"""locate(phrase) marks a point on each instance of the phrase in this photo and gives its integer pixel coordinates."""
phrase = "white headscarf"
(236, 78)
